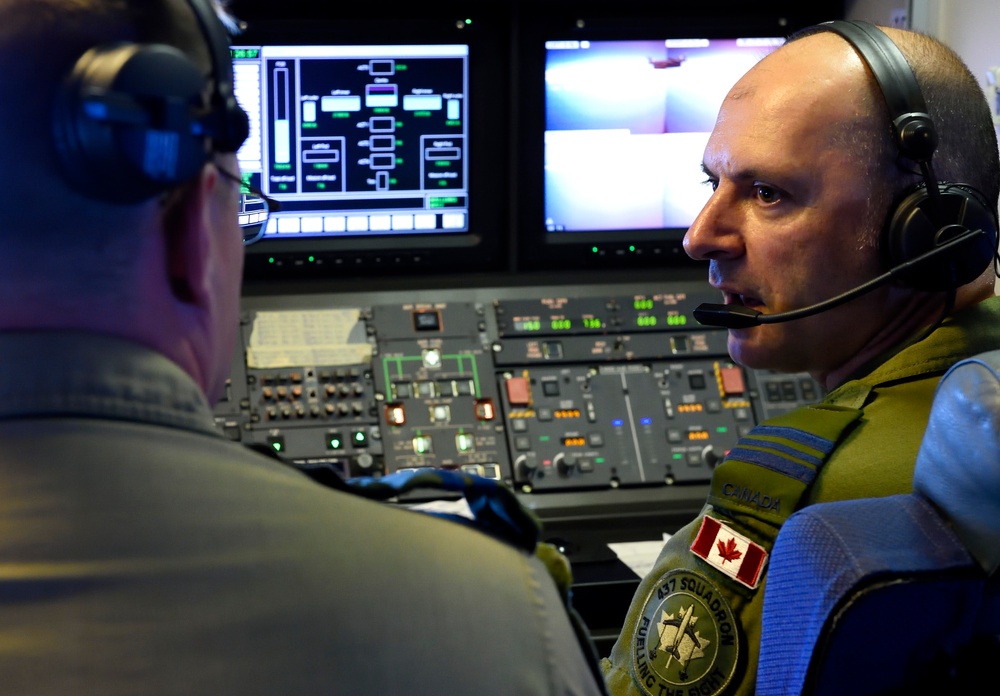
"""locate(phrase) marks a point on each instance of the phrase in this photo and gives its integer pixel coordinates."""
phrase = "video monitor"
(376, 153)
(614, 172)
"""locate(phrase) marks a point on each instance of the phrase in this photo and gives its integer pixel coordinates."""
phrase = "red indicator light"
(395, 414)
(485, 411)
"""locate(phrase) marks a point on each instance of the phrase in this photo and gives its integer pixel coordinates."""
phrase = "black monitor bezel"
(485, 247)
(539, 249)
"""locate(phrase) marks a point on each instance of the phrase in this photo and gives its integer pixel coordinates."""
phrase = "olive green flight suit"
(694, 623)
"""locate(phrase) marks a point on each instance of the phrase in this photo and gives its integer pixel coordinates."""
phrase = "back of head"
(967, 140)
(929, 130)
(50, 36)
(964, 167)
(62, 223)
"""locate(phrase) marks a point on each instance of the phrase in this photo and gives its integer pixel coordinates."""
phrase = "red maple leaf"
(728, 550)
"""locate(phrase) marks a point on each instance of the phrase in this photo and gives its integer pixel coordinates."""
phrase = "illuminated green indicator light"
(592, 323)
(678, 455)
(561, 324)
(642, 303)
(311, 258)
(465, 442)
(529, 325)
(722, 429)
(335, 442)
(631, 247)
(276, 445)
(594, 249)
(677, 320)
(646, 321)
(544, 438)
(270, 259)
(468, 21)
(599, 460)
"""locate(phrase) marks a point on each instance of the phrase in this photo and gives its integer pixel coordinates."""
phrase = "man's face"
(784, 227)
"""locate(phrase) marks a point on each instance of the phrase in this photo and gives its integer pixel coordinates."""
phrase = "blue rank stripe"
(785, 450)
(775, 461)
(801, 437)
(781, 448)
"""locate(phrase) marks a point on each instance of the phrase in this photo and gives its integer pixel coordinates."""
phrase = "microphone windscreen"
(727, 316)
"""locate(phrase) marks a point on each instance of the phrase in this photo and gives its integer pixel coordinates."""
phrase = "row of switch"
(730, 381)
(424, 444)
(785, 390)
(295, 391)
(298, 410)
(482, 410)
(522, 443)
(433, 390)
(296, 376)
(335, 440)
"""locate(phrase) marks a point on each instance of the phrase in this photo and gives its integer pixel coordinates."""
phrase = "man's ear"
(186, 227)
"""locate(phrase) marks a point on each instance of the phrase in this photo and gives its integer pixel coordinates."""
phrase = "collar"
(76, 374)
(973, 330)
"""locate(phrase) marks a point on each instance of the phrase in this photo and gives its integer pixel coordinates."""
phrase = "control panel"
(586, 400)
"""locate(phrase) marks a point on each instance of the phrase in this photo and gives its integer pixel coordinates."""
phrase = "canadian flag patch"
(730, 552)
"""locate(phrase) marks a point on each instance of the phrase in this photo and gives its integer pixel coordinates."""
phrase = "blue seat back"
(898, 595)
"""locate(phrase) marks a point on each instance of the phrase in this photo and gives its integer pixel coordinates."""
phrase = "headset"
(949, 224)
(130, 120)
(933, 212)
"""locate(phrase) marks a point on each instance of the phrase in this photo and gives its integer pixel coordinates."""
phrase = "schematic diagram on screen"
(358, 139)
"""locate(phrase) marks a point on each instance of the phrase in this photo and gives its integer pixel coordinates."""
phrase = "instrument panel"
(605, 406)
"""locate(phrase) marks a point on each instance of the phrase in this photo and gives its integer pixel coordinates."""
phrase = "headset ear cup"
(235, 128)
(127, 121)
(916, 227)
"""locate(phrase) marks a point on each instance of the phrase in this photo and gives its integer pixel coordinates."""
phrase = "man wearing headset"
(141, 552)
(814, 196)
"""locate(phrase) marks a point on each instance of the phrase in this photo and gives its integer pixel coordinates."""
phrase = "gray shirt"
(143, 553)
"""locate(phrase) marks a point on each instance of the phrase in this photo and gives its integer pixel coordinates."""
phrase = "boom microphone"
(740, 317)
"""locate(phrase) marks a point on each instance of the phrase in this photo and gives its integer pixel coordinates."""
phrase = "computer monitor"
(614, 138)
(376, 151)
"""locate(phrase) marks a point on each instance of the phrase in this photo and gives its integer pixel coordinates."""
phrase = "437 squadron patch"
(686, 641)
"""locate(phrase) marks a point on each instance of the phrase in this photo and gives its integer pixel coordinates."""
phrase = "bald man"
(806, 172)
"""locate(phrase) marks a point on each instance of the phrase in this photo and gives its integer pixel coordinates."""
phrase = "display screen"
(626, 124)
(368, 140)
(613, 127)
